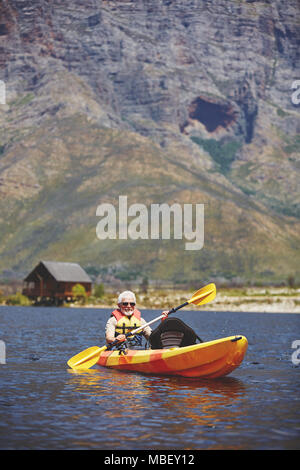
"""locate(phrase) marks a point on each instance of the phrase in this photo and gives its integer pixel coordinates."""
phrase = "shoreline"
(255, 308)
(259, 300)
(259, 303)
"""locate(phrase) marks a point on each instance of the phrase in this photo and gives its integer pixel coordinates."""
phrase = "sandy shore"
(249, 300)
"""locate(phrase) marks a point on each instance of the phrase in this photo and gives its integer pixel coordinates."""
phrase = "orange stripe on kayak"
(103, 358)
(122, 358)
(155, 364)
(127, 358)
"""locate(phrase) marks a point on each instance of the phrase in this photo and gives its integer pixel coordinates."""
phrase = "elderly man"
(124, 319)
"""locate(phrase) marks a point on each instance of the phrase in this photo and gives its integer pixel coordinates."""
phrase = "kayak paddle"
(90, 356)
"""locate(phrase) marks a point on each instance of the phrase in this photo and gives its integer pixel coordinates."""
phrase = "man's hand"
(165, 314)
(121, 338)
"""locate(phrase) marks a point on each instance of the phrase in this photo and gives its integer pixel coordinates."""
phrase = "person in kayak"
(124, 319)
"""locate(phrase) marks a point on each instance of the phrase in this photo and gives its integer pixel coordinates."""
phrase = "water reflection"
(169, 405)
(112, 387)
(202, 402)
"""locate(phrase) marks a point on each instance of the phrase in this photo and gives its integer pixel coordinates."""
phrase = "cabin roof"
(65, 272)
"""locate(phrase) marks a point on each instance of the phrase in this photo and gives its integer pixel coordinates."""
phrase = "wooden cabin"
(53, 281)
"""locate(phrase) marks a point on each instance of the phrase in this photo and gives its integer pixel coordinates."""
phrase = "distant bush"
(291, 281)
(79, 293)
(293, 145)
(222, 152)
(18, 299)
(99, 290)
(144, 285)
(92, 270)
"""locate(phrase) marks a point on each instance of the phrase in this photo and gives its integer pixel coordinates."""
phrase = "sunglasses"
(126, 304)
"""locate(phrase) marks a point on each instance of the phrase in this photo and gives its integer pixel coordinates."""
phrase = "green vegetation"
(291, 281)
(22, 100)
(98, 291)
(222, 152)
(129, 274)
(258, 292)
(293, 145)
(281, 113)
(18, 299)
(145, 285)
(79, 293)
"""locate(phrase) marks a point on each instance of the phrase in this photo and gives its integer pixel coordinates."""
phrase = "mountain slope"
(163, 102)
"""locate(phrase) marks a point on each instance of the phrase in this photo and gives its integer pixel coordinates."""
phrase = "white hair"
(126, 293)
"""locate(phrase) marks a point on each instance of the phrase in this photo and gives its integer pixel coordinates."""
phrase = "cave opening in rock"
(212, 115)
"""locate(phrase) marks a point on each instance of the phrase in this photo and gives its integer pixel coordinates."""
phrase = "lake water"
(45, 405)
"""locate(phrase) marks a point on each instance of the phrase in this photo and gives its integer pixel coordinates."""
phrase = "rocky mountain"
(164, 101)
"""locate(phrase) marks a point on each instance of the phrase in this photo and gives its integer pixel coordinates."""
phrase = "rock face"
(200, 89)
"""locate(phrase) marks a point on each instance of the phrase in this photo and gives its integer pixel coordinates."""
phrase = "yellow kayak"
(211, 359)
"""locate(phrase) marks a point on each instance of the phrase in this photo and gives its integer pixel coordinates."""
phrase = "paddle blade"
(204, 295)
(87, 358)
